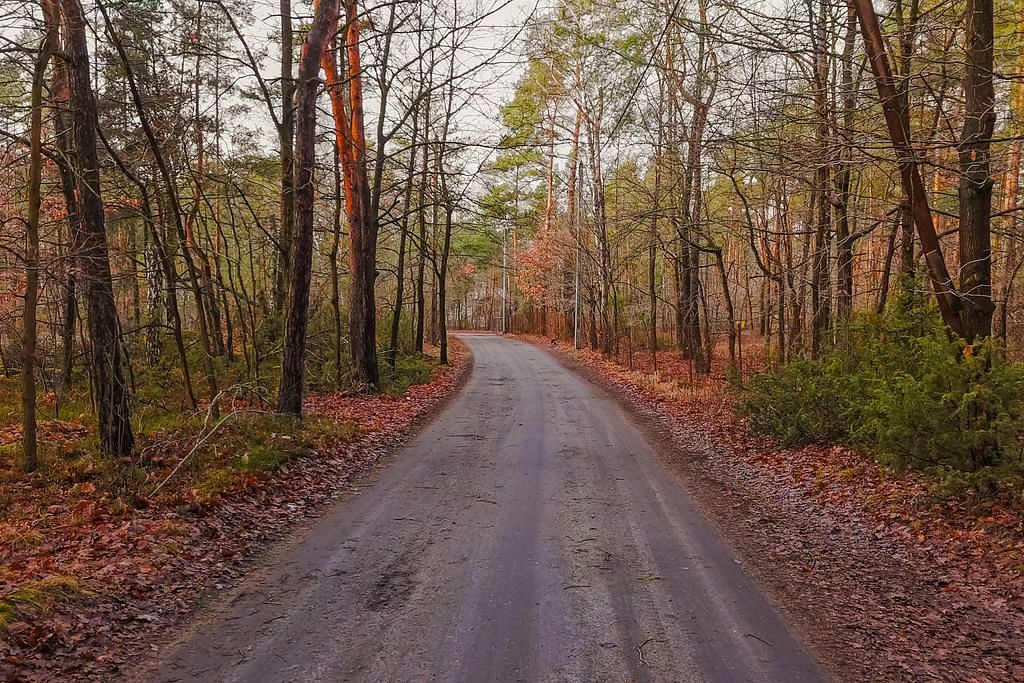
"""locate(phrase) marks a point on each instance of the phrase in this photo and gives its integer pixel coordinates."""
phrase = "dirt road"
(529, 533)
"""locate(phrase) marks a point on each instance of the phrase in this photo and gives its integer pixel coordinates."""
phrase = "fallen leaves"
(49, 431)
(142, 566)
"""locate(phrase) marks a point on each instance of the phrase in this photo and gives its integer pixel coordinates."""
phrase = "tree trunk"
(403, 238)
(442, 278)
(296, 317)
(110, 390)
(573, 215)
(286, 140)
(362, 223)
(975, 179)
(1012, 224)
(59, 90)
(910, 174)
(421, 264)
(35, 199)
(730, 309)
(844, 242)
(601, 235)
(335, 266)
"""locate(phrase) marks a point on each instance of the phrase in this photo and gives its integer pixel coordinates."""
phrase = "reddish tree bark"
(906, 157)
(362, 223)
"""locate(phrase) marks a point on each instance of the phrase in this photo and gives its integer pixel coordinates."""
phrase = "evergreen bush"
(901, 386)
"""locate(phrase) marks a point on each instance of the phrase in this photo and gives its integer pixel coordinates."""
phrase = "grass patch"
(408, 371)
(42, 595)
(263, 458)
(319, 427)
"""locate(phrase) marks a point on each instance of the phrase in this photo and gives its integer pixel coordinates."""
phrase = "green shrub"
(408, 371)
(801, 402)
(905, 389)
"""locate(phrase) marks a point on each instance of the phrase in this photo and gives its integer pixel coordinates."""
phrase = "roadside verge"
(139, 571)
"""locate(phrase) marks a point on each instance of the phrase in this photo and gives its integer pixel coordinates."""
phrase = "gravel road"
(529, 533)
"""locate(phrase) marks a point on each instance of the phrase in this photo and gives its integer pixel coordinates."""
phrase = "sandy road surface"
(529, 533)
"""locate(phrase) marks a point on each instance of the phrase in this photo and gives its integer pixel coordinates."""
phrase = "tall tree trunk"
(910, 173)
(689, 275)
(297, 314)
(396, 316)
(421, 264)
(820, 290)
(35, 200)
(442, 276)
(975, 179)
(110, 390)
(907, 35)
(362, 222)
(360, 212)
(155, 319)
(573, 214)
(844, 242)
(59, 92)
(652, 292)
(335, 265)
(604, 258)
(730, 309)
(286, 141)
(1013, 220)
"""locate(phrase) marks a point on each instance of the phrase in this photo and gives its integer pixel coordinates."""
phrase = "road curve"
(530, 533)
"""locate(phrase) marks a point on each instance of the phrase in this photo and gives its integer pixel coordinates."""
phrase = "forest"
(218, 217)
(663, 176)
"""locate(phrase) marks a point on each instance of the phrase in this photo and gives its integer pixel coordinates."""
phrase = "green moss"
(42, 595)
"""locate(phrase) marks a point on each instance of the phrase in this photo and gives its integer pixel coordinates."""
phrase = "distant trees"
(756, 134)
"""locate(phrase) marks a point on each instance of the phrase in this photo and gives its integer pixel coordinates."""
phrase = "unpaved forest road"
(529, 533)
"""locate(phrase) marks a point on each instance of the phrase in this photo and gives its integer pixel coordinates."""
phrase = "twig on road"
(582, 540)
(757, 637)
(640, 650)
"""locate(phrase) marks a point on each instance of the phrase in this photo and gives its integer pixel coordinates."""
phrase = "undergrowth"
(253, 443)
(902, 388)
(42, 596)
